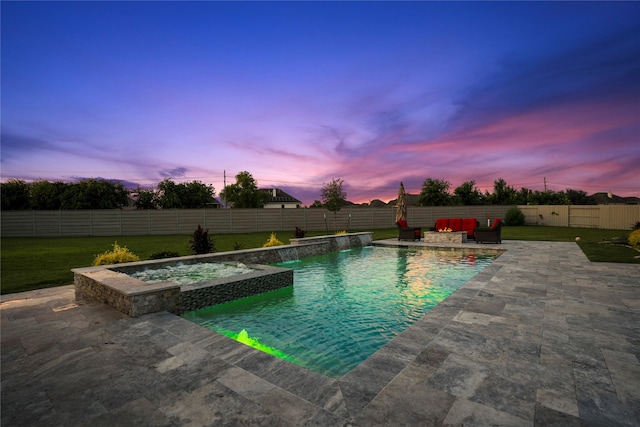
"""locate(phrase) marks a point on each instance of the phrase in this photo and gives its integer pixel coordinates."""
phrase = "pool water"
(187, 274)
(343, 306)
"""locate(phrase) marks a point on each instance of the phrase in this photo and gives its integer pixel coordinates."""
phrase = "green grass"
(595, 243)
(32, 263)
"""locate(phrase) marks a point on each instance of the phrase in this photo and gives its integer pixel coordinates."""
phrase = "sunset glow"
(299, 93)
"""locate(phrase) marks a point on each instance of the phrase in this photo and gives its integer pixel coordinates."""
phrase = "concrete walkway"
(540, 337)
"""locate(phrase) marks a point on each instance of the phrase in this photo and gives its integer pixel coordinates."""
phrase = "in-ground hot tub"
(123, 288)
(113, 284)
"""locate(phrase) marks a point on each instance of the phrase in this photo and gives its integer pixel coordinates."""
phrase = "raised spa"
(137, 288)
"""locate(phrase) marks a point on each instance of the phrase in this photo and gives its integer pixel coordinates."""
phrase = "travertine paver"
(540, 337)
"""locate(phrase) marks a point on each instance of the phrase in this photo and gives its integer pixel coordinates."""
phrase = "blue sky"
(299, 93)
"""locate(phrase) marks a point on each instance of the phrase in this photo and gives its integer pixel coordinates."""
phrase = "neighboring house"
(612, 199)
(281, 200)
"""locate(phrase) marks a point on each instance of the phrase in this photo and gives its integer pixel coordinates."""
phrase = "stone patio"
(540, 337)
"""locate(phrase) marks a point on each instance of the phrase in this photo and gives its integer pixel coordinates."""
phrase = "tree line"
(102, 194)
(244, 193)
(436, 192)
(96, 193)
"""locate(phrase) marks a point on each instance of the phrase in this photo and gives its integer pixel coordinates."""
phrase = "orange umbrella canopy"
(401, 204)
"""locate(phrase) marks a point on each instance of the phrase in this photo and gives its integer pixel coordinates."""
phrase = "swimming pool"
(344, 305)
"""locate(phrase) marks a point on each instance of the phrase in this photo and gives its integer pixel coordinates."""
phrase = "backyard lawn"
(31, 263)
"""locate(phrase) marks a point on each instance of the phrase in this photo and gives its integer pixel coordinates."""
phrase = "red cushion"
(495, 223)
(442, 223)
(455, 224)
(402, 223)
(469, 225)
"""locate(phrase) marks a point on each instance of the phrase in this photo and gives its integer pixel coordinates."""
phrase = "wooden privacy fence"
(222, 221)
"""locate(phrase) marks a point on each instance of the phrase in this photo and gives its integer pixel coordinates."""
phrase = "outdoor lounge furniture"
(408, 233)
(490, 235)
(458, 224)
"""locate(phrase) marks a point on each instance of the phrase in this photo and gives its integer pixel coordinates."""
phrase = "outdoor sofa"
(458, 224)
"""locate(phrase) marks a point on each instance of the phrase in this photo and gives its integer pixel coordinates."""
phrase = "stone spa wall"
(112, 285)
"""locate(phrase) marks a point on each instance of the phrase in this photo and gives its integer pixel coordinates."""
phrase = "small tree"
(468, 194)
(244, 193)
(201, 243)
(435, 192)
(334, 197)
(503, 194)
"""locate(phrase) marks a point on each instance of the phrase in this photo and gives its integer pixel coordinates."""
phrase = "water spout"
(343, 242)
(365, 239)
(288, 254)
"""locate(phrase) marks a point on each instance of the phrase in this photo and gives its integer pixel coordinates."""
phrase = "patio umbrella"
(401, 204)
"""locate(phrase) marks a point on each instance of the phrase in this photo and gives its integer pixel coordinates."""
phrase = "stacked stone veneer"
(130, 296)
(113, 286)
(224, 290)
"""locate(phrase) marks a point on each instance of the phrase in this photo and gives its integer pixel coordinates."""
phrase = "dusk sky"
(299, 93)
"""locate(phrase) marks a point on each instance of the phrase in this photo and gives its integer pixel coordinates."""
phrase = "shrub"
(514, 216)
(634, 238)
(118, 255)
(201, 243)
(299, 233)
(636, 226)
(164, 254)
(273, 241)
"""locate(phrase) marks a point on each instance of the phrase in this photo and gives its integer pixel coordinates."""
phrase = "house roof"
(279, 196)
(612, 199)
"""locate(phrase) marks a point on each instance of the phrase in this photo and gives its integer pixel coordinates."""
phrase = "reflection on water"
(346, 305)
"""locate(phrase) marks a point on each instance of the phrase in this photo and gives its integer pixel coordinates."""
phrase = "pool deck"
(540, 337)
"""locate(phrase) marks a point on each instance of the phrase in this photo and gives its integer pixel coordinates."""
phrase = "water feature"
(187, 274)
(345, 305)
(365, 240)
(343, 243)
(288, 254)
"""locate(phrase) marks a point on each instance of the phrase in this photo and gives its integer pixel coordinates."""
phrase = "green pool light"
(244, 338)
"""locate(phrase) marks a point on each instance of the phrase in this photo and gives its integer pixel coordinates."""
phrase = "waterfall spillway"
(288, 254)
(343, 242)
(365, 239)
